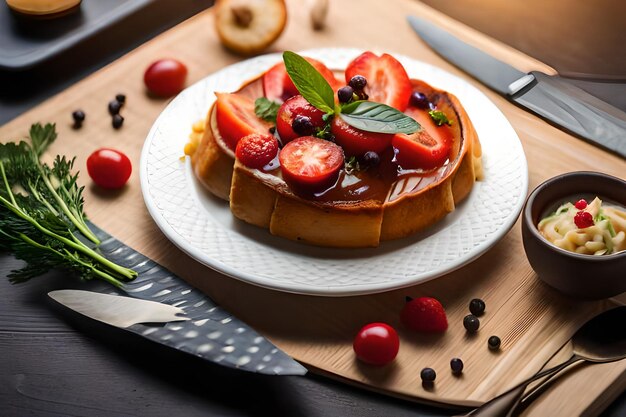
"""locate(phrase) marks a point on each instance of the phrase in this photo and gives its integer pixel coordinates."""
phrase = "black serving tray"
(26, 42)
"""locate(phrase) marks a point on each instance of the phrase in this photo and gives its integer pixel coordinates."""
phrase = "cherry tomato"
(109, 168)
(286, 116)
(165, 77)
(310, 164)
(376, 344)
(356, 142)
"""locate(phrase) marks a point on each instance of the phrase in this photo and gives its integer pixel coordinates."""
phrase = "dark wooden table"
(52, 365)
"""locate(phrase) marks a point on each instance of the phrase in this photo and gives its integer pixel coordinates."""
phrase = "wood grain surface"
(532, 320)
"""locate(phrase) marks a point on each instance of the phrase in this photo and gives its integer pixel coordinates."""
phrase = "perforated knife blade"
(550, 97)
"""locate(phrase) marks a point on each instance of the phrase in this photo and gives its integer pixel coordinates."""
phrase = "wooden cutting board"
(532, 320)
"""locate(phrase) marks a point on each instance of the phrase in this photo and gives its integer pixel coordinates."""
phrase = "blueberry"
(456, 365)
(428, 374)
(493, 342)
(78, 116)
(114, 107)
(302, 125)
(477, 307)
(358, 82)
(121, 98)
(419, 100)
(117, 121)
(345, 94)
(471, 323)
(371, 159)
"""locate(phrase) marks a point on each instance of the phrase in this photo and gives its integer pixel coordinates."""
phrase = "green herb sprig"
(266, 109)
(41, 214)
(363, 115)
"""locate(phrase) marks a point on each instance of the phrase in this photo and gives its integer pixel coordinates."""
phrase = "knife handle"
(575, 110)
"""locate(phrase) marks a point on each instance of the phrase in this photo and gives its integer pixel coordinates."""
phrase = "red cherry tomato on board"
(376, 344)
(165, 77)
(109, 168)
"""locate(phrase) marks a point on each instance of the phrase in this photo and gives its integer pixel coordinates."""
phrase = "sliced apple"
(249, 26)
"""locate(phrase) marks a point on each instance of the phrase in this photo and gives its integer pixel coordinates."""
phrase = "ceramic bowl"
(580, 276)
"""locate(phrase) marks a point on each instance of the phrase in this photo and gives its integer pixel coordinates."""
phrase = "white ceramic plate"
(203, 227)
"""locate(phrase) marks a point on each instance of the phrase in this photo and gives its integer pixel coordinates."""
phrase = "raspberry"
(581, 204)
(583, 219)
(257, 150)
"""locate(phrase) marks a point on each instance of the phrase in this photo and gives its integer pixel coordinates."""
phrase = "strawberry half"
(236, 118)
(277, 85)
(427, 148)
(310, 164)
(387, 80)
(424, 314)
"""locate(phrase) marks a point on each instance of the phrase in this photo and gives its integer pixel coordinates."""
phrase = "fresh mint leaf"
(309, 82)
(440, 117)
(266, 109)
(377, 118)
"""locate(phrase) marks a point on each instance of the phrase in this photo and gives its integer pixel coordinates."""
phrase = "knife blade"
(210, 332)
(116, 310)
(549, 97)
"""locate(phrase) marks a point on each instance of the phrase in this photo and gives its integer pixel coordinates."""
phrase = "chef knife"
(550, 97)
(207, 331)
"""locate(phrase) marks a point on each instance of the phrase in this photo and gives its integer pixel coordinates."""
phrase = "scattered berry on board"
(428, 375)
(424, 314)
(493, 342)
(477, 307)
(471, 323)
(456, 364)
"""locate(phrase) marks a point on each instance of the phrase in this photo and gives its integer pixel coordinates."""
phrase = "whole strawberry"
(424, 314)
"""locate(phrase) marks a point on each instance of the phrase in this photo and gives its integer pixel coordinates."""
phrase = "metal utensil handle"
(504, 404)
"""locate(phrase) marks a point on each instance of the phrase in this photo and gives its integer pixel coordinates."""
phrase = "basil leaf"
(266, 109)
(378, 118)
(309, 82)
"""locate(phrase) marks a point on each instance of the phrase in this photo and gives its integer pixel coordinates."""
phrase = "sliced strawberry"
(236, 118)
(357, 142)
(310, 164)
(427, 148)
(424, 314)
(308, 118)
(257, 150)
(278, 86)
(387, 80)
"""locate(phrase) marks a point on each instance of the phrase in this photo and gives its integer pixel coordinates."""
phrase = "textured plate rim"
(353, 289)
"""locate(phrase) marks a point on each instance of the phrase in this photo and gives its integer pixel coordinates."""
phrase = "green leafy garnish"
(309, 82)
(364, 115)
(266, 109)
(41, 214)
(352, 165)
(378, 118)
(440, 117)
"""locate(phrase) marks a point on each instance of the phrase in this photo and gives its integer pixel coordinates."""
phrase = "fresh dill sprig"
(41, 213)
